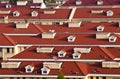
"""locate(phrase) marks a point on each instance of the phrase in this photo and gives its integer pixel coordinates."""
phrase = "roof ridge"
(39, 28)
(107, 52)
(81, 69)
(9, 39)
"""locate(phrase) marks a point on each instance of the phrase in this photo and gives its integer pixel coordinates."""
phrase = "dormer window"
(109, 13)
(112, 39)
(99, 2)
(45, 70)
(61, 53)
(16, 13)
(76, 55)
(8, 6)
(29, 68)
(71, 38)
(78, 2)
(100, 28)
(34, 13)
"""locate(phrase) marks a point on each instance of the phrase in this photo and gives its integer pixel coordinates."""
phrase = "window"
(12, 50)
(8, 50)
(61, 54)
(44, 71)
(97, 77)
(55, 23)
(103, 77)
(76, 56)
(29, 70)
(91, 77)
(0, 49)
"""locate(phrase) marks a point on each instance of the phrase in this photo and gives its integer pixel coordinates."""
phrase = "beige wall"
(17, 49)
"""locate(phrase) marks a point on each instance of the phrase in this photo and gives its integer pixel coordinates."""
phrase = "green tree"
(60, 75)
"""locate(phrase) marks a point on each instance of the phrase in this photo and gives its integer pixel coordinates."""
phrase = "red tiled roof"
(67, 69)
(5, 40)
(25, 13)
(97, 69)
(85, 27)
(10, 28)
(30, 53)
(107, 52)
(81, 39)
(115, 52)
(92, 3)
(86, 13)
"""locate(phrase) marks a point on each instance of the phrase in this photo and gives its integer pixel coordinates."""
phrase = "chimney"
(22, 25)
(45, 49)
(51, 34)
(74, 24)
(102, 35)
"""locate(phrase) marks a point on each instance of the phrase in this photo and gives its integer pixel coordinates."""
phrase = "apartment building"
(81, 40)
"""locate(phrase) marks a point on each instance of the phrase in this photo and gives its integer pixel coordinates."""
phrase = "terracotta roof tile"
(6, 40)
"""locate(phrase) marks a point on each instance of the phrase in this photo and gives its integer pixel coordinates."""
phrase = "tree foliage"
(60, 75)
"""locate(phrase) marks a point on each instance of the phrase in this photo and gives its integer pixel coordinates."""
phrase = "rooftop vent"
(45, 50)
(99, 2)
(22, 2)
(97, 11)
(49, 11)
(16, 13)
(74, 24)
(5, 11)
(102, 35)
(10, 64)
(100, 28)
(8, 6)
(52, 65)
(61, 53)
(112, 39)
(71, 38)
(22, 25)
(109, 13)
(108, 64)
(34, 13)
(82, 50)
(78, 2)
